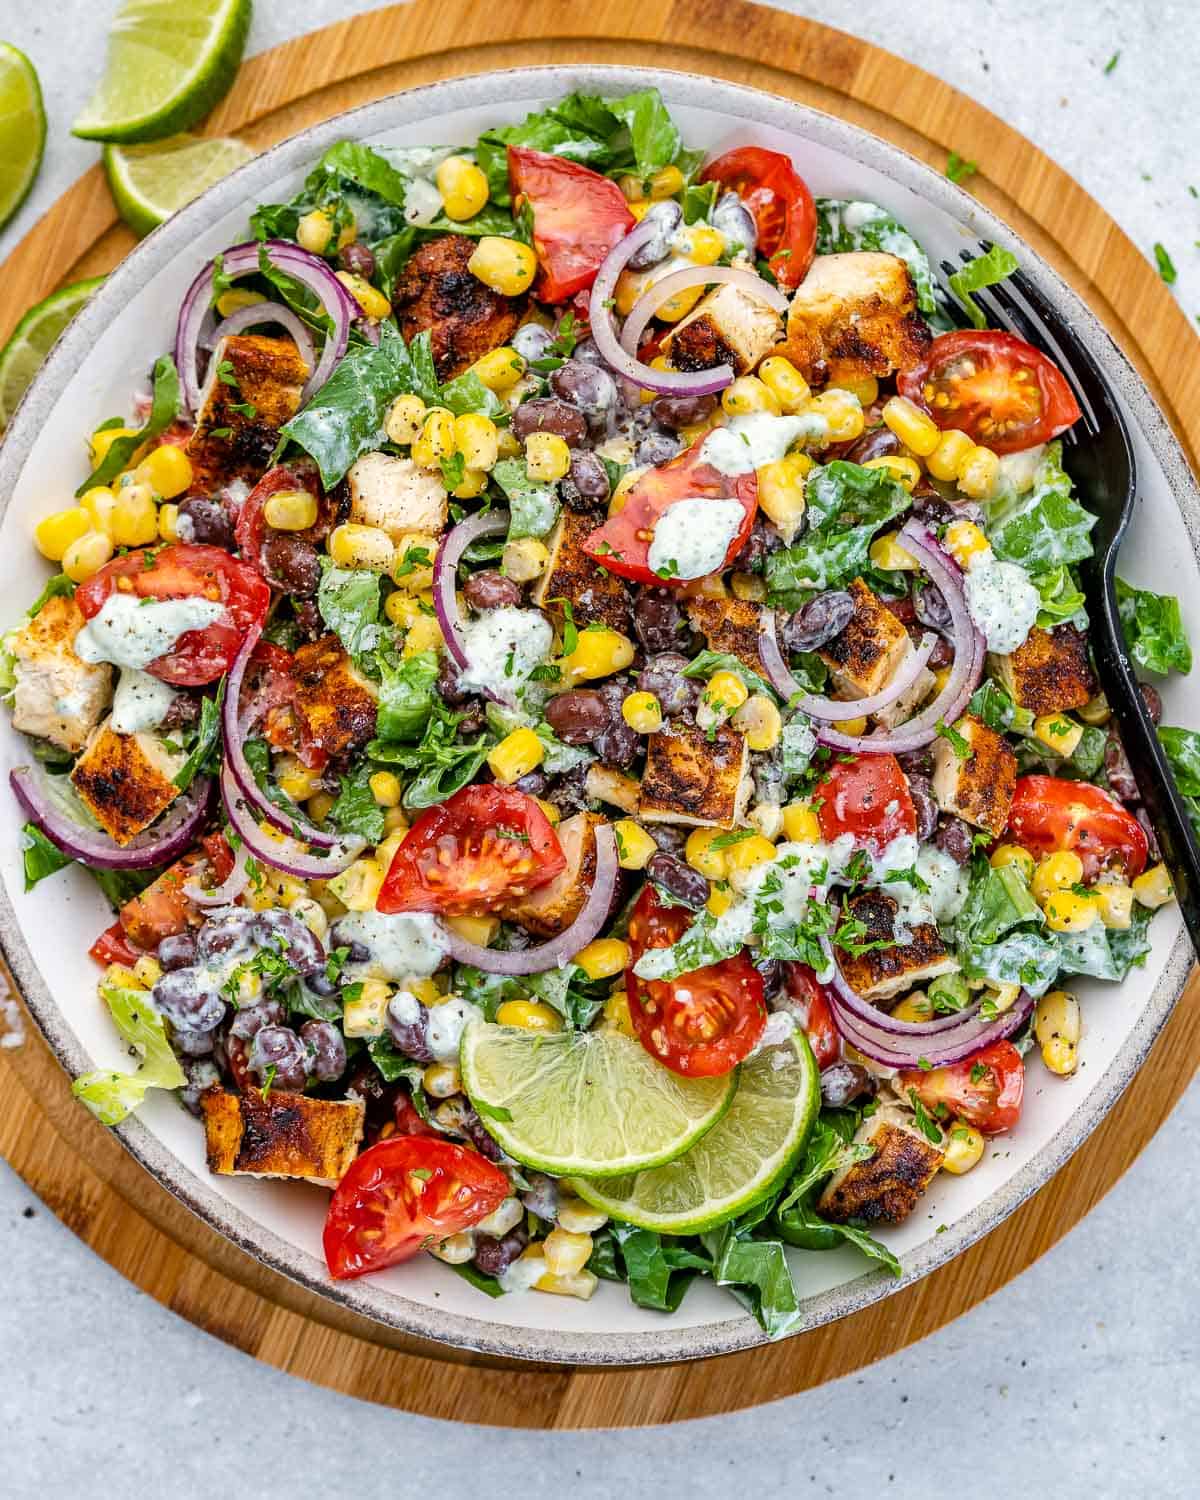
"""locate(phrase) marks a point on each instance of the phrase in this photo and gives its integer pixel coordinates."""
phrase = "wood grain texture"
(86, 1177)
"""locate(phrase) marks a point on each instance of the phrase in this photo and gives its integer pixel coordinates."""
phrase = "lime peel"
(22, 129)
(151, 182)
(32, 339)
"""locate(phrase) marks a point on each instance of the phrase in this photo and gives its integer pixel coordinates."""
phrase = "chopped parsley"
(1113, 61)
(1166, 266)
(958, 168)
(923, 1121)
(958, 743)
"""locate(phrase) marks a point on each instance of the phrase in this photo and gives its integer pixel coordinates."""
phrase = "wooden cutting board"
(86, 1177)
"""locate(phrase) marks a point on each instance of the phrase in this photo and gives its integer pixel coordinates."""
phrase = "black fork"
(1098, 455)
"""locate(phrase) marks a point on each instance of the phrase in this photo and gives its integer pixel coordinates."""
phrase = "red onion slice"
(287, 854)
(229, 889)
(566, 945)
(269, 312)
(157, 845)
(893, 1052)
(817, 707)
(869, 1016)
(445, 577)
(681, 281)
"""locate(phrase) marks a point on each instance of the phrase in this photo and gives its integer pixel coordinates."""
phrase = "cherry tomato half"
(402, 1195)
(998, 389)
(163, 909)
(986, 1090)
(867, 797)
(622, 544)
(483, 844)
(813, 1012)
(184, 571)
(1049, 813)
(114, 947)
(778, 198)
(250, 529)
(700, 1024)
(578, 216)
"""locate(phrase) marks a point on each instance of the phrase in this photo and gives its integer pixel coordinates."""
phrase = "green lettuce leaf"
(1154, 632)
(207, 734)
(847, 225)
(164, 408)
(112, 1095)
(348, 600)
(984, 270)
(846, 505)
(1025, 958)
(997, 901)
(41, 857)
(406, 695)
(533, 505)
(354, 809)
(1046, 526)
(707, 663)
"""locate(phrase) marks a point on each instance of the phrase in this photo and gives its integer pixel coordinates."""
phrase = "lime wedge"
(150, 182)
(585, 1102)
(747, 1155)
(31, 340)
(22, 129)
(169, 61)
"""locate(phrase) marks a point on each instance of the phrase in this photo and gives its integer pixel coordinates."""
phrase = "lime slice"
(22, 129)
(585, 1102)
(743, 1159)
(168, 63)
(150, 182)
(22, 356)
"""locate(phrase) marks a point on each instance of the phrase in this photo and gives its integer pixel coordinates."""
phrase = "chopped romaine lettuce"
(1154, 633)
(405, 695)
(348, 599)
(532, 504)
(164, 408)
(846, 225)
(1045, 527)
(984, 270)
(112, 1095)
(846, 505)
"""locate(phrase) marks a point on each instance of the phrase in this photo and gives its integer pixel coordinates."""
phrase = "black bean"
(321, 985)
(616, 744)
(588, 387)
(818, 621)
(679, 880)
(670, 838)
(182, 711)
(931, 608)
(532, 341)
(666, 217)
(541, 1197)
(358, 259)
(568, 791)
(189, 1003)
(930, 506)
(549, 414)
(588, 351)
(193, 1043)
(771, 970)
(674, 412)
(308, 619)
(762, 541)
(278, 1048)
(448, 689)
(736, 223)
(1119, 772)
(489, 589)
(291, 563)
(663, 676)
(202, 1074)
(249, 1020)
(879, 442)
(916, 763)
(585, 486)
(410, 1034)
(177, 951)
(578, 716)
(327, 1050)
(657, 448)
(1153, 701)
(955, 838)
(206, 521)
(477, 1134)
(921, 791)
(843, 1082)
(533, 784)
(494, 1256)
(657, 619)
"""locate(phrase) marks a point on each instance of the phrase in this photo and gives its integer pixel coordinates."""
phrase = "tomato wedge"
(184, 571)
(867, 797)
(484, 844)
(403, 1195)
(986, 1090)
(578, 216)
(250, 528)
(998, 389)
(778, 198)
(163, 909)
(701, 1024)
(114, 947)
(622, 544)
(813, 1011)
(1050, 813)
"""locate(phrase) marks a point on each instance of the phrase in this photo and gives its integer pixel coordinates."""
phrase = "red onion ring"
(817, 707)
(892, 1053)
(566, 945)
(153, 846)
(268, 312)
(229, 889)
(445, 577)
(680, 281)
(672, 382)
(288, 854)
(242, 260)
(867, 1015)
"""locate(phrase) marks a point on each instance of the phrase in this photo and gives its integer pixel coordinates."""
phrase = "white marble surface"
(1077, 1380)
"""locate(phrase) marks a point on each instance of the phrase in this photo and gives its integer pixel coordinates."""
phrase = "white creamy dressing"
(522, 1273)
(692, 537)
(747, 443)
(140, 702)
(1018, 471)
(1002, 601)
(503, 647)
(422, 202)
(401, 944)
(780, 1026)
(446, 1024)
(405, 1006)
(131, 631)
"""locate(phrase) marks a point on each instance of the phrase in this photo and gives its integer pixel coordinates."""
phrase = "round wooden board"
(86, 1177)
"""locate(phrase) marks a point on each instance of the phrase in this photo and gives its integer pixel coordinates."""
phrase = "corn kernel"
(1114, 901)
(665, 183)
(781, 492)
(639, 208)
(524, 559)
(553, 816)
(579, 1217)
(507, 266)
(135, 517)
(318, 805)
(643, 713)
(395, 820)
(566, 1253)
(87, 556)
(854, 727)
(148, 971)
(679, 305)
(354, 546)
(726, 689)
(760, 721)
(887, 553)
(530, 1015)
(412, 563)
(978, 473)
(1058, 733)
(625, 484)
(315, 230)
(904, 470)
(357, 887)
(167, 470)
(659, 362)
(632, 188)
(385, 788)
(99, 502)
(455, 1249)
(635, 847)
(56, 533)
(168, 522)
(720, 898)
(366, 1015)
(598, 653)
(1056, 872)
(915, 428)
(800, 823)
(100, 442)
(441, 1080)
(915, 1007)
(1095, 711)
(963, 1148)
(842, 410)
(424, 634)
(947, 458)
(965, 541)
(1001, 996)
(742, 858)
(463, 187)
(1058, 1027)
(405, 418)
(291, 510)
(705, 245)
(749, 586)
(604, 958)
(500, 370)
(235, 299)
(1013, 854)
(864, 388)
(748, 394)
(477, 439)
(547, 456)
(296, 779)
(1153, 887)
(785, 382)
(370, 299)
(402, 609)
(437, 439)
(767, 817)
(581, 1284)
(1065, 911)
(516, 755)
(385, 851)
(700, 854)
(1060, 1057)
(122, 976)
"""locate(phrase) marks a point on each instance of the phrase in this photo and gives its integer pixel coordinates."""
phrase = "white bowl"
(105, 355)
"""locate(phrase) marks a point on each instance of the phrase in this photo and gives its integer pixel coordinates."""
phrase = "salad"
(573, 680)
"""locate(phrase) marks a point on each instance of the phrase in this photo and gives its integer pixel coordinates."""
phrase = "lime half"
(169, 62)
(591, 1103)
(747, 1155)
(22, 129)
(31, 341)
(150, 182)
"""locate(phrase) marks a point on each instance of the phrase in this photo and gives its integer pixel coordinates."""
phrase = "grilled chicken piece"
(867, 653)
(395, 495)
(337, 707)
(1049, 673)
(126, 780)
(465, 319)
(729, 326)
(882, 973)
(283, 1135)
(855, 314)
(56, 695)
(978, 786)
(595, 595)
(885, 1188)
(264, 378)
(694, 780)
(731, 626)
(551, 909)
